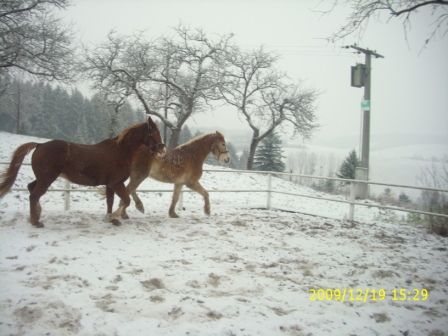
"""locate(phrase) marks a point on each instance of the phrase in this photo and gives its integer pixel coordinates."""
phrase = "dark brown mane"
(123, 134)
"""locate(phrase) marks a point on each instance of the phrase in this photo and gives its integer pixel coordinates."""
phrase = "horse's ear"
(219, 133)
(151, 123)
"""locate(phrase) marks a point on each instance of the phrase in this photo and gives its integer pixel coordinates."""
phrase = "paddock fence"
(270, 191)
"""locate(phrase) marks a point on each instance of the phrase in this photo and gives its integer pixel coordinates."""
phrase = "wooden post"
(67, 195)
(351, 211)
(268, 201)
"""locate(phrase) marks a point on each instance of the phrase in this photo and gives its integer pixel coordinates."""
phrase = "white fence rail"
(351, 202)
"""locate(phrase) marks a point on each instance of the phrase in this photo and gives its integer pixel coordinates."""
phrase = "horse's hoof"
(173, 215)
(124, 216)
(38, 225)
(115, 222)
(140, 207)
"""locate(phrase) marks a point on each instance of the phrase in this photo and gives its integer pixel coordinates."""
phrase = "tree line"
(39, 109)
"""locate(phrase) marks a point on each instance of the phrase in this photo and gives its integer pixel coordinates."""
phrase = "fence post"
(268, 201)
(67, 195)
(351, 211)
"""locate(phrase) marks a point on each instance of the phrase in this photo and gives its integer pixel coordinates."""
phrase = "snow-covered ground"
(241, 271)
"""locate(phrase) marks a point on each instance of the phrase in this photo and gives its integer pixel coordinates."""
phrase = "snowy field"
(241, 271)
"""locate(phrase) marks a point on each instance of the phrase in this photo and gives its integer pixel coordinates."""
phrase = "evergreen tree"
(269, 154)
(348, 167)
(404, 199)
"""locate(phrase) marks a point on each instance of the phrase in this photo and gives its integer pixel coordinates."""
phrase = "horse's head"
(219, 148)
(153, 139)
(145, 133)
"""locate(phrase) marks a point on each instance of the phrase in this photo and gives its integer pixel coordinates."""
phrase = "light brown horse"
(106, 163)
(180, 166)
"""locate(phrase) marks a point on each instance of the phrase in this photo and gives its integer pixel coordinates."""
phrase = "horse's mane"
(194, 139)
(198, 138)
(120, 137)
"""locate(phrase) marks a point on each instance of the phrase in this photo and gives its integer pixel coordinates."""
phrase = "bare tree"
(257, 90)
(190, 72)
(363, 10)
(33, 41)
(172, 78)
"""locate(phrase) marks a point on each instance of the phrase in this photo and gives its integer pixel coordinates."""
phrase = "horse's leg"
(138, 202)
(176, 193)
(121, 191)
(135, 179)
(38, 206)
(37, 189)
(200, 190)
(109, 200)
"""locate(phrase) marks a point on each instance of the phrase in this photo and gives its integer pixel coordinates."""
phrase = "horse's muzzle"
(159, 149)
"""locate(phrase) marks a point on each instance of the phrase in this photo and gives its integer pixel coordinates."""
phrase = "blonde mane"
(195, 139)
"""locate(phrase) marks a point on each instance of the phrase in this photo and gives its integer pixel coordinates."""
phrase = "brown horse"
(106, 163)
(181, 166)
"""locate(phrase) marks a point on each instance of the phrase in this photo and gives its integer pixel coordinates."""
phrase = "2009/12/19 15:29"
(368, 294)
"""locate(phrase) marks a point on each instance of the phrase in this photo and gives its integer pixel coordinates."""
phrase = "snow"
(241, 271)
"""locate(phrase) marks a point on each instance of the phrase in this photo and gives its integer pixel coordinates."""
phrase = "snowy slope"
(240, 271)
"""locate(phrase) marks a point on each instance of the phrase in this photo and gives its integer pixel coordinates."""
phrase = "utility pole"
(361, 77)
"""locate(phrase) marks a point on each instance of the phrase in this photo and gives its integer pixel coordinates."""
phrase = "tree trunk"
(113, 122)
(174, 137)
(253, 147)
(18, 107)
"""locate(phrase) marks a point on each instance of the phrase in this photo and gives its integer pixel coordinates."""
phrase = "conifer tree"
(348, 167)
(269, 155)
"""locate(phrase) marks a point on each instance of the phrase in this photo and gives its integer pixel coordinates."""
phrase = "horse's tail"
(9, 176)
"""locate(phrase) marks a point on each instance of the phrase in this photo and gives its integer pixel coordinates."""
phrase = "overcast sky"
(409, 85)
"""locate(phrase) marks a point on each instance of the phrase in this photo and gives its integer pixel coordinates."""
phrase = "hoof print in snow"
(175, 313)
(193, 284)
(214, 279)
(382, 274)
(213, 315)
(105, 302)
(153, 284)
(30, 248)
(27, 314)
(380, 317)
(157, 298)
(281, 312)
(238, 222)
(292, 330)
